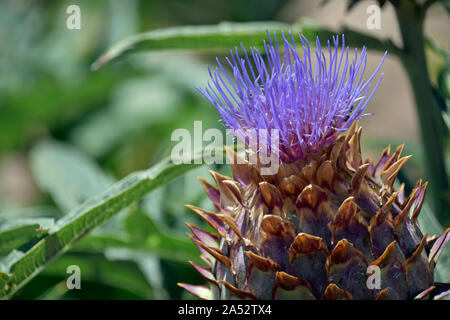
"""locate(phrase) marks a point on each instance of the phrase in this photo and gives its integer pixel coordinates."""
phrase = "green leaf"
(227, 35)
(39, 211)
(143, 235)
(9, 260)
(148, 264)
(156, 238)
(50, 103)
(136, 105)
(56, 292)
(98, 269)
(74, 176)
(74, 226)
(223, 36)
(16, 233)
(67, 174)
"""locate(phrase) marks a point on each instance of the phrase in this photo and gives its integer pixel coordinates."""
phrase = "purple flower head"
(310, 99)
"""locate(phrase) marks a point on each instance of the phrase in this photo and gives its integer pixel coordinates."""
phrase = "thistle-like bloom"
(310, 104)
(328, 224)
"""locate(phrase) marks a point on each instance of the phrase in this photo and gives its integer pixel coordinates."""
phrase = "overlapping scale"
(312, 230)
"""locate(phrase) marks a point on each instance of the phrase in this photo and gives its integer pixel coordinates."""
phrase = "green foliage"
(19, 268)
(17, 232)
(74, 176)
(222, 37)
(142, 234)
(227, 35)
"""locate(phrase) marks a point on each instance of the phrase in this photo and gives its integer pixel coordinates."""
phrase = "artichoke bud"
(316, 227)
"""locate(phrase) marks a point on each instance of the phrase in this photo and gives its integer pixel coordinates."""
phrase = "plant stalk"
(410, 19)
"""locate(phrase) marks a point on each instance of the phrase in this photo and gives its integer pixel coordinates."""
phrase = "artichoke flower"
(321, 225)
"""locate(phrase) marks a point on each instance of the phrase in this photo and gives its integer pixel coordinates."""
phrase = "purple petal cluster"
(310, 97)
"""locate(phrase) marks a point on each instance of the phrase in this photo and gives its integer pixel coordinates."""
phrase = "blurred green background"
(67, 132)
